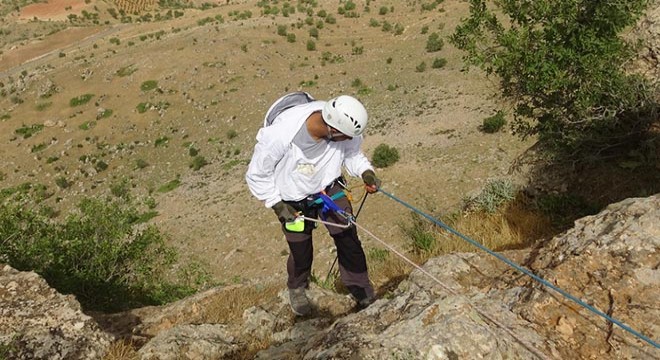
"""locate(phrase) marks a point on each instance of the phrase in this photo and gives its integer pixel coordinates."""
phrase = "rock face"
(36, 322)
(483, 309)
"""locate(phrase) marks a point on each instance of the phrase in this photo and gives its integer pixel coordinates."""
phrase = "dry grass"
(122, 350)
(515, 226)
(229, 309)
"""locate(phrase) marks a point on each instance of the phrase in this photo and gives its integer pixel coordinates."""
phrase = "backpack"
(284, 103)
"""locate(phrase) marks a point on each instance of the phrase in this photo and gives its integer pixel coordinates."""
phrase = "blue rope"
(525, 271)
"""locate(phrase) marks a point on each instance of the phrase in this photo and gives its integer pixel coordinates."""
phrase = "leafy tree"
(561, 63)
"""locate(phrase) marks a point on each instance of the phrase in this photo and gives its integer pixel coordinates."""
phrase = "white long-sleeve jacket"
(280, 171)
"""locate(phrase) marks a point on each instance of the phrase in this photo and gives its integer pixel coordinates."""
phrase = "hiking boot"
(364, 303)
(299, 302)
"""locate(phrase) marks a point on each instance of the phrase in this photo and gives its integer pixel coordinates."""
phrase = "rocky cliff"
(478, 308)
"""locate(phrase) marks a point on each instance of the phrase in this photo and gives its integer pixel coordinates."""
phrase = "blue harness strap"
(329, 204)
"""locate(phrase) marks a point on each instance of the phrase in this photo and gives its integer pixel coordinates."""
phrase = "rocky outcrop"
(36, 322)
(473, 306)
(482, 309)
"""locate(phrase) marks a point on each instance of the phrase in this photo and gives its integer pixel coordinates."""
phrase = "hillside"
(208, 76)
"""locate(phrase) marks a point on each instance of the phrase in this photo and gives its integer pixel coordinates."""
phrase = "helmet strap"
(330, 135)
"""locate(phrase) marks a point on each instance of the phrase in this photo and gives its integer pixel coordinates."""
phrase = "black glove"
(370, 179)
(285, 212)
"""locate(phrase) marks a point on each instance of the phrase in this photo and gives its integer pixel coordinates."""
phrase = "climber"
(300, 155)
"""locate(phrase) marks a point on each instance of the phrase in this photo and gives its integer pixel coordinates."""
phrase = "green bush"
(384, 156)
(149, 85)
(311, 45)
(420, 233)
(562, 64)
(28, 130)
(198, 162)
(98, 254)
(439, 63)
(493, 124)
(494, 194)
(80, 100)
(434, 43)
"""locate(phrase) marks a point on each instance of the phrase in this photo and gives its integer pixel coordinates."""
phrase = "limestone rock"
(36, 322)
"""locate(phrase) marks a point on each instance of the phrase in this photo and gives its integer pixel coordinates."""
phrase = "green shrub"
(98, 254)
(291, 37)
(439, 63)
(80, 100)
(434, 43)
(384, 156)
(141, 164)
(281, 30)
(169, 186)
(420, 233)
(494, 194)
(198, 162)
(493, 124)
(562, 64)
(149, 85)
(314, 32)
(421, 67)
(62, 182)
(161, 141)
(142, 107)
(311, 45)
(28, 130)
(231, 133)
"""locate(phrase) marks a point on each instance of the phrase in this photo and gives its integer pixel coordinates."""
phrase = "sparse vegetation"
(385, 155)
(493, 124)
(28, 130)
(434, 43)
(149, 85)
(80, 100)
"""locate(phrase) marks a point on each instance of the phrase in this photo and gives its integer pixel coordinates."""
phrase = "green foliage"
(161, 141)
(231, 134)
(421, 67)
(43, 105)
(493, 124)
(291, 37)
(281, 30)
(434, 43)
(80, 100)
(384, 156)
(561, 63)
(420, 233)
(97, 253)
(28, 130)
(311, 45)
(439, 63)
(149, 85)
(170, 185)
(495, 194)
(62, 182)
(198, 162)
(141, 164)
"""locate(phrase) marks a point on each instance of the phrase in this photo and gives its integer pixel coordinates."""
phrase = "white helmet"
(346, 114)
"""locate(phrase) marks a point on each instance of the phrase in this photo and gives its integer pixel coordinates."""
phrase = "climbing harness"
(351, 221)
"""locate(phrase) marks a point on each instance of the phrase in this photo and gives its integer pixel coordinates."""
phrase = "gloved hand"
(371, 182)
(285, 212)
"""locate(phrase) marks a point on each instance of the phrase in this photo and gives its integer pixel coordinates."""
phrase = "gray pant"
(352, 261)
